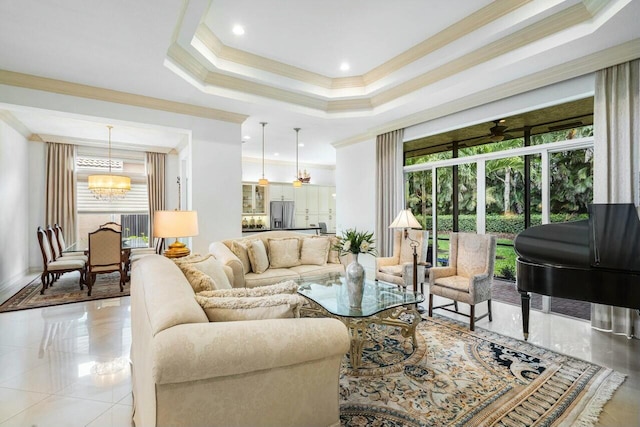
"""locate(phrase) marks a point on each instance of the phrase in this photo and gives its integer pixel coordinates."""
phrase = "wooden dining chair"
(61, 242)
(54, 268)
(105, 256)
(58, 249)
(112, 225)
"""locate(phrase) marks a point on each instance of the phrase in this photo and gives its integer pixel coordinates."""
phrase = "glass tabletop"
(83, 245)
(330, 292)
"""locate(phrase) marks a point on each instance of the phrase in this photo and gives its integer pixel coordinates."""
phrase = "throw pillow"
(204, 273)
(258, 256)
(239, 249)
(334, 255)
(288, 287)
(225, 309)
(284, 253)
(315, 250)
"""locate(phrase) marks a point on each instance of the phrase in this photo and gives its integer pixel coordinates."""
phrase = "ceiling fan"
(497, 131)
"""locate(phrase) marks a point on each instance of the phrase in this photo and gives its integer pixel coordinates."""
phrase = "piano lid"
(614, 242)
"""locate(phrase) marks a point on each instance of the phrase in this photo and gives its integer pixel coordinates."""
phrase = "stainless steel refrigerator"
(282, 215)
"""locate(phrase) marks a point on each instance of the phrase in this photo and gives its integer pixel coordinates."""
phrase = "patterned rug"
(462, 378)
(64, 291)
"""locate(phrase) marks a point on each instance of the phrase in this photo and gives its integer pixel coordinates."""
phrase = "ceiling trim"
(588, 64)
(465, 26)
(92, 92)
(209, 45)
(98, 143)
(13, 122)
(367, 100)
(287, 163)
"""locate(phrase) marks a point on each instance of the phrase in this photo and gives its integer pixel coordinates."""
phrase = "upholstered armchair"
(398, 268)
(468, 277)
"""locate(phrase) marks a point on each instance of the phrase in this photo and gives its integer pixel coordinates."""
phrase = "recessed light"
(276, 154)
(238, 30)
(247, 137)
(301, 145)
(344, 66)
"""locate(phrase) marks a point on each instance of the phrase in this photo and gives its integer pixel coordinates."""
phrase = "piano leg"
(525, 302)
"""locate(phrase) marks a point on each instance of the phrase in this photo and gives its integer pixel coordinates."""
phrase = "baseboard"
(11, 286)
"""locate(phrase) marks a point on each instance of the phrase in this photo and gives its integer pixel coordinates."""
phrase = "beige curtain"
(616, 165)
(389, 187)
(60, 197)
(155, 185)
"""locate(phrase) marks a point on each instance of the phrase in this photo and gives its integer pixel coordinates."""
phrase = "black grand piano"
(595, 260)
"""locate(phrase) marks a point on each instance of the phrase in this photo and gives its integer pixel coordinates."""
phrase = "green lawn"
(505, 256)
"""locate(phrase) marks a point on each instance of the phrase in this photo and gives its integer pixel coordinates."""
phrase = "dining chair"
(58, 249)
(61, 242)
(112, 225)
(105, 256)
(54, 268)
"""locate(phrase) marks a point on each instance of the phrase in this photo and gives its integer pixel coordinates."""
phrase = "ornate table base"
(359, 326)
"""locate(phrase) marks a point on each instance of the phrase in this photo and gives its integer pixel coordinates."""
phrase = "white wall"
(356, 192)
(216, 184)
(36, 208)
(14, 193)
(286, 172)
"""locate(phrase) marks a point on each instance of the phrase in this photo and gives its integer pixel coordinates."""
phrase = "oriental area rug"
(461, 378)
(64, 291)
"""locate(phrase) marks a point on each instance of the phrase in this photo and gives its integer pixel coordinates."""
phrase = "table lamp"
(175, 224)
(406, 220)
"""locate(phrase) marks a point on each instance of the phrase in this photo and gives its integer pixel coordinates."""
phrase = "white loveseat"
(188, 371)
(242, 278)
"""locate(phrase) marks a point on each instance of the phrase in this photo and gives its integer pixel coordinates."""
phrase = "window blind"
(135, 201)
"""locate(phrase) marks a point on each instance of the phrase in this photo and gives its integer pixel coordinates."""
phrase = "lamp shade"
(175, 224)
(405, 219)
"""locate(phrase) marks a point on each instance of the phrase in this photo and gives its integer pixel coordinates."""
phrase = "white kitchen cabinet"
(280, 192)
(324, 194)
(254, 199)
(312, 199)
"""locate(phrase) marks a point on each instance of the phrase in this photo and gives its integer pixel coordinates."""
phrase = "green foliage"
(355, 242)
(495, 224)
(507, 272)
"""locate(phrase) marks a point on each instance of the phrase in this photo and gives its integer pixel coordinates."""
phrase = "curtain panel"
(389, 187)
(60, 197)
(155, 185)
(617, 165)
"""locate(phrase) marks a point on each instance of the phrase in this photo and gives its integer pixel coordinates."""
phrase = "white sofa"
(222, 252)
(188, 371)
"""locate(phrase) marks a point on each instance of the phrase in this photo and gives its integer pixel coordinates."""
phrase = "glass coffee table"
(382, 303)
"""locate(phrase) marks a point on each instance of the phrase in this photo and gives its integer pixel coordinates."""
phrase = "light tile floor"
(65, 365)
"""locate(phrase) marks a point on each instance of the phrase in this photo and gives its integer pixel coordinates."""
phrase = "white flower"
(364, 246)
(346, 246)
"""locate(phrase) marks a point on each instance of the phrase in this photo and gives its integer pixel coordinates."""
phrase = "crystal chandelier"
(109, 187)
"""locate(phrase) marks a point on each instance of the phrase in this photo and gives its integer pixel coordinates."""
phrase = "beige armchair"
(398, 268)
(469, 275)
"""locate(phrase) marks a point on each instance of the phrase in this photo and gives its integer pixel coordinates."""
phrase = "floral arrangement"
(355, 242)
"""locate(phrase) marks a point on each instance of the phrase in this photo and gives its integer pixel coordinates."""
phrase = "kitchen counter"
(307, 230)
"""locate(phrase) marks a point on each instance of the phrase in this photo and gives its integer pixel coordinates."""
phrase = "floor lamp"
(405, 220)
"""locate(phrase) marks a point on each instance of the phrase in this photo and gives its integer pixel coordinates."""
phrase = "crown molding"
(367, 101)
(98, 143)
(258, 160)
(15, 124)
(578, 67)
(91, 92)
(465, 26)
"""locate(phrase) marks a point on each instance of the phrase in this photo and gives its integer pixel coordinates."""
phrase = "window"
(132, 212)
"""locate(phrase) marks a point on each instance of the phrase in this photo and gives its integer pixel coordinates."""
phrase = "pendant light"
(109, 187)
(296, 182)
(263, 182)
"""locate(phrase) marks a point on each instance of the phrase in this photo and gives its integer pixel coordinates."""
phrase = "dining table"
(82, 245)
